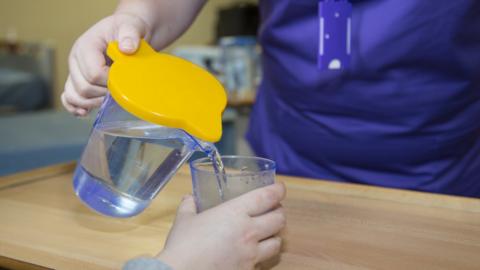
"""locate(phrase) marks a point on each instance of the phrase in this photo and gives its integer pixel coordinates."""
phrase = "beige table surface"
(330, 226)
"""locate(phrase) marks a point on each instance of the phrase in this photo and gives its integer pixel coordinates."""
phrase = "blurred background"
(35, 40)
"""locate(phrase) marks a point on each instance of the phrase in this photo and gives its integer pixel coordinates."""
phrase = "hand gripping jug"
(160, 110)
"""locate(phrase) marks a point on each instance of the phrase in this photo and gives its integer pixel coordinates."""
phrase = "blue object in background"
(33, 140)
(22, 91)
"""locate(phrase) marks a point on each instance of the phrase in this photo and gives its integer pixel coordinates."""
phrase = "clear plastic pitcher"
(140, 138)
(127, 161)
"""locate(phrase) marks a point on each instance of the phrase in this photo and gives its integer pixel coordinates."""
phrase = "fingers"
(268, 248)
(77, 104)
(187, 207)
(261, 200)
(83, 87)
(70, 108)
(269, 224)
(89, 62)
(86, 84)
(68, 105)
(128, 38)
(130, 29)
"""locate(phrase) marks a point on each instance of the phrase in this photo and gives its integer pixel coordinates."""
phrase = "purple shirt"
(405, 114)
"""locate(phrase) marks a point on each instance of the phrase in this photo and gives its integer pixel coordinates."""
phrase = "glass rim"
(194, 165)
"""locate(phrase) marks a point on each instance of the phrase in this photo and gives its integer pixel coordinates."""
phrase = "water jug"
(146, 128)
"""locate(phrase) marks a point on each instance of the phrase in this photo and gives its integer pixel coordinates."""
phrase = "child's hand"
(86, 84)
(157, 21)
(237, 234)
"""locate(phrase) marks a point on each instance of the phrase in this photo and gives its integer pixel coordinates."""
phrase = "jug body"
(127, 161)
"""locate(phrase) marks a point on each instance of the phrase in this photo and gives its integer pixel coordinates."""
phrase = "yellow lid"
(167, 90)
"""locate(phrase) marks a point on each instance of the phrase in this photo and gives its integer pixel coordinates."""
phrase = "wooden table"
(330, 226)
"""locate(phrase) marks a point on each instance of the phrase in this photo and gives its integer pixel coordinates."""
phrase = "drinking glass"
(242, 174)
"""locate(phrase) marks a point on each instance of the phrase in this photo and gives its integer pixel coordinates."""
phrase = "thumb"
(130, 29)
(187, 207)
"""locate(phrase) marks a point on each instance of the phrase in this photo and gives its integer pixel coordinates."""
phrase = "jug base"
(102, 199)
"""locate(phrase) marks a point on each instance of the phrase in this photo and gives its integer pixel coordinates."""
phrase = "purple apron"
(405, 114)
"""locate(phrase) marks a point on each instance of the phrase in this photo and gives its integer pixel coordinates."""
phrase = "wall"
(60, 22)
